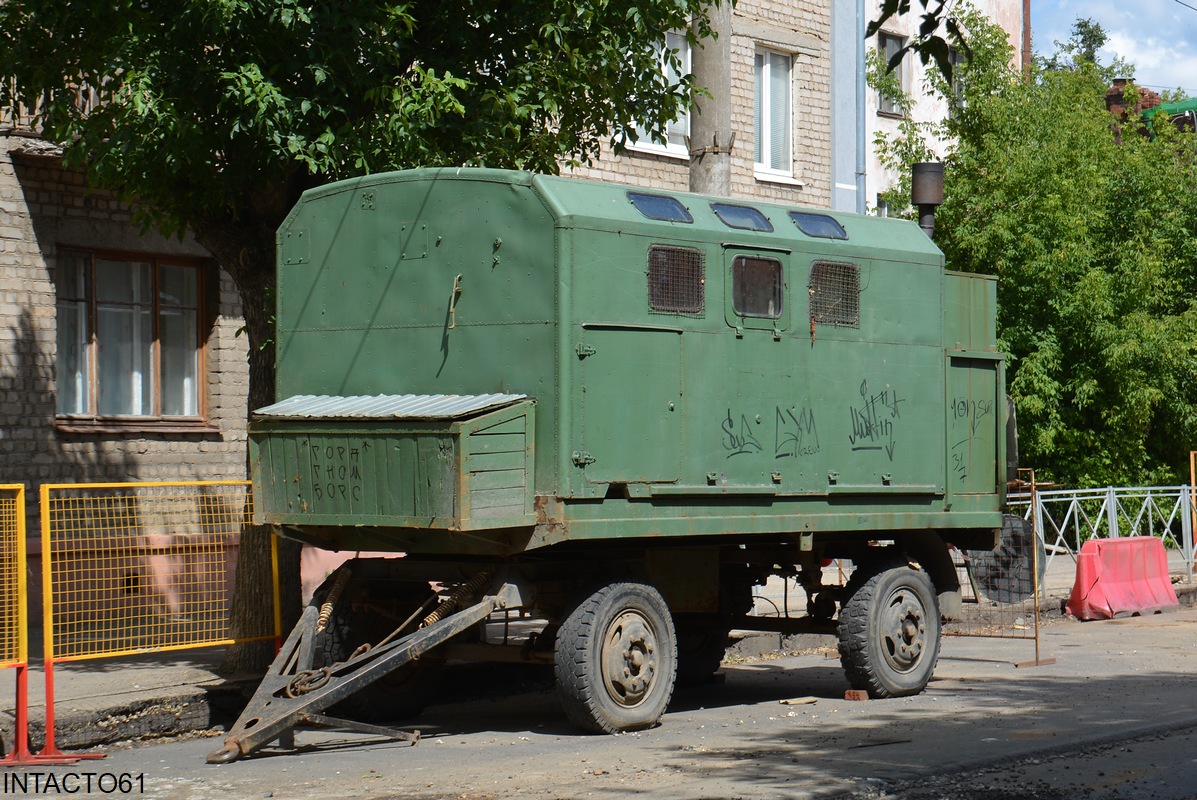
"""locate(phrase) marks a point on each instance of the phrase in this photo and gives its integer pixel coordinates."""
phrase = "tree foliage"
(928, 44)
(214, 115)
(1095, 244)
(205, 106)
(1081, 48)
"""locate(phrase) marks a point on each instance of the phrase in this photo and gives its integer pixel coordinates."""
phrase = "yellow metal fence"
(13, 616)
(140, 567)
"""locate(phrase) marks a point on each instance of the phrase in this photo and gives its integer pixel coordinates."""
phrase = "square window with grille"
(676, 280)
(835, 294)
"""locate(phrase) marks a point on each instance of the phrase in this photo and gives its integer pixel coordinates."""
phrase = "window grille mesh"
(676, 280)
(835, 294)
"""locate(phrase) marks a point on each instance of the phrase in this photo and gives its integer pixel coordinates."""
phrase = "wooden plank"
(498, 479)
(484, 462)
(516, 425)
(490, 499)
(496, 443)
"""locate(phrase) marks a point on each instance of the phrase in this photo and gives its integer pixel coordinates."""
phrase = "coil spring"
(334, 594)
(453, 600)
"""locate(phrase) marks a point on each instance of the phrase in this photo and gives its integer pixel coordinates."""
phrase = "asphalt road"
(1113, 718)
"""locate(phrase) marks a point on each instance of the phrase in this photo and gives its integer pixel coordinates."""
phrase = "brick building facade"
(765, 35)
(73, 256)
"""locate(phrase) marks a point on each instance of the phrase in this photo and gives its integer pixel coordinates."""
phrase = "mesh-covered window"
(756, 287)
(676, 280)
(835, 294)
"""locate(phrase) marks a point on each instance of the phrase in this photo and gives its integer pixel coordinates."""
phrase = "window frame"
(886, 106)
(843, 275)
(660, 270)
(762, 156)
(645, 143)
(720, 208)
(743, 323)
(92, 420)
(686, 218)
(957, 58)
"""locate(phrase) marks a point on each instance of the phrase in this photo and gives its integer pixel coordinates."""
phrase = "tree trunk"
(247, 253)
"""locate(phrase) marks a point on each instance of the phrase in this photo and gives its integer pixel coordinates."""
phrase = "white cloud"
(1158, 63)
(1156, 36)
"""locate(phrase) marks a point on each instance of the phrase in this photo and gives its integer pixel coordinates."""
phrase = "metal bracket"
(453, 295)
(582, 457)
(292, 692)
(584, 350)
(714, 148)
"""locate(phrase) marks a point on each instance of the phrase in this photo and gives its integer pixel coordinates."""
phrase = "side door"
(631, 396)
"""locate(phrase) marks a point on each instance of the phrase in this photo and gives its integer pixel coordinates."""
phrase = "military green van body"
(656, 377)
(613, 412)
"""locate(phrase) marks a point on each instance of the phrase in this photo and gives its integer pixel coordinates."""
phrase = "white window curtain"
(678, 131)
(773, 114)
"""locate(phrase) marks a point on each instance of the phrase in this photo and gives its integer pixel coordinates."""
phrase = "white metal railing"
(1067, 518)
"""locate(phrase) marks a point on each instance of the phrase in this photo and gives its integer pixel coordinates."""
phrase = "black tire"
(1007, 573)
(616, 659)
(400, 694)
(889, 630)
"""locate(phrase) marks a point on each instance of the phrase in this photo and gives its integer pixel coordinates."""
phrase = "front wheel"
(889, 630)
(616, 659)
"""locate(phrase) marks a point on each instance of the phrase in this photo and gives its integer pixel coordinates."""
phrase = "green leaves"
(218, 109)
(928, 44)
(1095, 242)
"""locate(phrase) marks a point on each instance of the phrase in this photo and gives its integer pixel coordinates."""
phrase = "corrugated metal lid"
(388, 406)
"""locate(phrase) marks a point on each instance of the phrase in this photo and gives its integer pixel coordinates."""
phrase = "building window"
(677, 132)
(889, 45)
(774, 128)
(129, 347)
(957, 60)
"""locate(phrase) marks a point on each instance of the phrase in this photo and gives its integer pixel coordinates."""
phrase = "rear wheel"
(616, 659)
(889, 630)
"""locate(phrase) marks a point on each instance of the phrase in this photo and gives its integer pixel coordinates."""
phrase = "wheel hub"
(629, 660)
(904, 630)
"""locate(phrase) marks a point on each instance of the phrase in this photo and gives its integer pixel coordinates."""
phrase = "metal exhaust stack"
(927, 192)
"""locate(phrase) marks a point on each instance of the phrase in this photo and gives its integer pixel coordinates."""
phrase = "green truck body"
(654, 402)
(614, 411)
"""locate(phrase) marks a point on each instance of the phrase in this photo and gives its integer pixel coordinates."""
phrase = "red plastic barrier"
(1121, 578)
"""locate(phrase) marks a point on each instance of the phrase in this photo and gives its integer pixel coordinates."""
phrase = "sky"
(1158, 36)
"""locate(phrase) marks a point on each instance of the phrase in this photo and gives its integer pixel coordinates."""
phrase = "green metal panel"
(713, 421)
(631, 389)
(457, 474)
(974, 425)
(372, 308)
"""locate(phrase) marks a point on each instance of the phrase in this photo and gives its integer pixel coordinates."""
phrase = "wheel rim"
(904, 629)
(629, 658)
